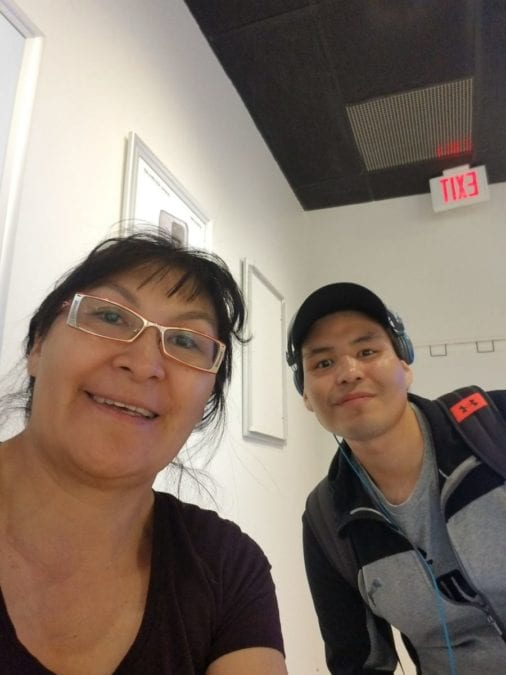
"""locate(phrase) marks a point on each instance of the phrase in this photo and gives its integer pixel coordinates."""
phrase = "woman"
(98, 573)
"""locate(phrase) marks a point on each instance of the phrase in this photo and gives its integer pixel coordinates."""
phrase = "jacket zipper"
(490, 614)
(491, 617)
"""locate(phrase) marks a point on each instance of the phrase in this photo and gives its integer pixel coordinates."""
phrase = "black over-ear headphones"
(400, 340)
(293, 359)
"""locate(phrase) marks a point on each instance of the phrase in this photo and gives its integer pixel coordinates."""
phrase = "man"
(417, 521)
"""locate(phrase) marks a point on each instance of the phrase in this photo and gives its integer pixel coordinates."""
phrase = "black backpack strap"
(320, 515)
(478, 421)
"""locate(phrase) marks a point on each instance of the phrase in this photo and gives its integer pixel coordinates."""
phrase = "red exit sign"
(460, 186)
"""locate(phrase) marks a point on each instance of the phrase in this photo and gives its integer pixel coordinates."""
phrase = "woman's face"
(80, 424)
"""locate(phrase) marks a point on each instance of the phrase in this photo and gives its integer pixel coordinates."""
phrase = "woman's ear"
(32, 361)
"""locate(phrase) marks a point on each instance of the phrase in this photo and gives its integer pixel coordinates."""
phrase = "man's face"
(353, 380)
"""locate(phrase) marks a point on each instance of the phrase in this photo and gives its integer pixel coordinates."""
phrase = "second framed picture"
(264, 388)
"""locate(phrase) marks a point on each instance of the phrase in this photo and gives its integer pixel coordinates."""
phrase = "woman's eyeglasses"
(113, 321)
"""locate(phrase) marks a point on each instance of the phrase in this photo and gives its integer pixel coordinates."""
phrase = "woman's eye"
(110, 316)
(185, 341)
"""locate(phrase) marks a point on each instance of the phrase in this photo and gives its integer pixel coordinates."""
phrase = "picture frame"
(18, 112)
(153, 196)
(264, 397)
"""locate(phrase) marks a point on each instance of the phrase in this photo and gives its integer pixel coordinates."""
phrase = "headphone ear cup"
(298, 380)
(405, 348)
(403, 345)
(293, 361)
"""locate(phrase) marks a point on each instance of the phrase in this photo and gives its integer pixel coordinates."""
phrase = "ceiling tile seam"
(340, 115)
(275, 18)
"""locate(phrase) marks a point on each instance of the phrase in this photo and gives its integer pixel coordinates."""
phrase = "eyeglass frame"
(73, 306)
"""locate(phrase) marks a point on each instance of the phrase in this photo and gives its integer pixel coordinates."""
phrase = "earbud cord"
(439, 601)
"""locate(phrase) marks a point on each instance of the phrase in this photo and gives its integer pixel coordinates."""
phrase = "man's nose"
(348, 369)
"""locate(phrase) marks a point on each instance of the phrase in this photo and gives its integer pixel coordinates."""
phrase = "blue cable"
(439, 601)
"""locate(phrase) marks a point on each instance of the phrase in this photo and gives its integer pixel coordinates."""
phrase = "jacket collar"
(349, 494)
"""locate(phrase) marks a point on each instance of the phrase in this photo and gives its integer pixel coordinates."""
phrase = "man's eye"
(324, 363)
(367, 352)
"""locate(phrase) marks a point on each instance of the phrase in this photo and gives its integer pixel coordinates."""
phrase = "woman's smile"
(116, 406)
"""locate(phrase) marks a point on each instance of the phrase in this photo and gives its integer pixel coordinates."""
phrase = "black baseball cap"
(337, 297)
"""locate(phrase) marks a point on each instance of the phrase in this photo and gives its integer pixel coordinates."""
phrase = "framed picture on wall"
(264, 382)
(153, 196)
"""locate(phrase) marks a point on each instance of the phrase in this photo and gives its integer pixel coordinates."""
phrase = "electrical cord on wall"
(357, 469)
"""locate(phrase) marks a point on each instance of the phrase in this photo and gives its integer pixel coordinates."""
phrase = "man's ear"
(307, 402)
(32, 361)
(408, 375)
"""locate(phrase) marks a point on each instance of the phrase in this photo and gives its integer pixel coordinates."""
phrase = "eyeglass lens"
(107, 319)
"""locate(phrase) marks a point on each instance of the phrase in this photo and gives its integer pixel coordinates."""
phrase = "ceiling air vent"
(414, 126)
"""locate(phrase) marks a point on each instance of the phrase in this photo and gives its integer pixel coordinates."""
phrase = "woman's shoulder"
(194, 516)
(206, 529)
(203, 550)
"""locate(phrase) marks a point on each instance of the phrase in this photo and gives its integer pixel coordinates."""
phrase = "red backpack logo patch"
(467, 406)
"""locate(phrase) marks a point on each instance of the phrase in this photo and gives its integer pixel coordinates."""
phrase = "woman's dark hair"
(201, 273)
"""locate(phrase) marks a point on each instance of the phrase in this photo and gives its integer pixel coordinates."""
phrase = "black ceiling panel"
(271, 64)
(411, 77)
(351, 189)
(410, 179)
(490, 99)
(383, 47)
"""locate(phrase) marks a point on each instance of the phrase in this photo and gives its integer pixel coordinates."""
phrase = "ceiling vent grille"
(423, 124)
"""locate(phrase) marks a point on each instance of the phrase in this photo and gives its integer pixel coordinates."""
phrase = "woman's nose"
(144, 357)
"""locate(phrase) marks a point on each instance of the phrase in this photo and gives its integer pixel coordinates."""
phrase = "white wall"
(443, 273)
(121, 65)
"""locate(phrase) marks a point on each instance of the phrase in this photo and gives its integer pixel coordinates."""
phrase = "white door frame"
(10, 178)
